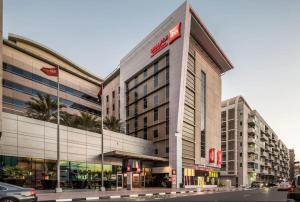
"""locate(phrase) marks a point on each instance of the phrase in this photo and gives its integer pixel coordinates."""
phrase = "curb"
(139, 195)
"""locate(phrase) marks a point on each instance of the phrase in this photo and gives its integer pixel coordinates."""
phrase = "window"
(155, 133)
(241, 123)
(241, 154)
(113, 94)
(241, 134)
(155, 114)
(167, 74)
(145, 103)
(107, 98)
(155, 80)
(167, 92)
(135, 81)
(145, 134)
(155, 100)
(119, 90)
(145, 121)
(156, 151)
(241, 144)
(145, 89)
(135, 124)
(241, 164)
(155, 67)
(145, 73)
(107, 110)
(113, 107)
(167, 150)
(203, 114)
(167, 60)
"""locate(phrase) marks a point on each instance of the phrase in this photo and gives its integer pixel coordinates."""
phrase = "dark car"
(12, 193)
(257, 184)
(294, 190)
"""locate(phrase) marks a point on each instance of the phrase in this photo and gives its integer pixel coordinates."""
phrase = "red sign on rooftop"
(174, 34)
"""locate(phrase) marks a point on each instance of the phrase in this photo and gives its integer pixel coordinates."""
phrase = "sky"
(261, 38)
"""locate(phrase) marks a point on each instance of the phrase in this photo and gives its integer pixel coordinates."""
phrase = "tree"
(42, 107)
(68, 119)
(112, 123)
(87, 121)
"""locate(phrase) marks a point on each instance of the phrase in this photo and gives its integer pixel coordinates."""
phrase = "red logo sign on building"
(219, 158)
(211, 155)
(174, 34)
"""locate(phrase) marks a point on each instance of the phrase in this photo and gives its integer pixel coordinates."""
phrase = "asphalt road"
(248, 195)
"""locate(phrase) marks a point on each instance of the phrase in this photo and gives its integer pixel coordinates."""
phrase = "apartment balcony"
(264, 171)
(276, 149)
(264, 154)
(251, 130)
(251, 140)
(251, 159)
(251, 121)
(251, 150)
(271, 172)
(271, 158)
(267, 132)
(253, 170)
(272, 144)
(263, 137)
(267, 148)
(268, 164)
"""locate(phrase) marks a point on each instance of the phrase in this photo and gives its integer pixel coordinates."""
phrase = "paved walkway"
(70, 195)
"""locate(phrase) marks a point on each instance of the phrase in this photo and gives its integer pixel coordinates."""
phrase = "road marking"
(60, 200)
(149, 194)
(162, 193)
(173, 192)
(134, 195)
(91, 198)
(115, 196)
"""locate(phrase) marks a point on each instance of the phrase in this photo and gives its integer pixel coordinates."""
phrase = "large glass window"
(203, 114)
(34, 92)
(34, 77)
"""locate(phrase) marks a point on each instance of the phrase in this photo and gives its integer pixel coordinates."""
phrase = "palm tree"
(112, 123)
(68, 119)
(42, 107)
(87, 121)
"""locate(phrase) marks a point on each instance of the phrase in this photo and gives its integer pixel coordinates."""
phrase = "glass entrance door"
(119, 181)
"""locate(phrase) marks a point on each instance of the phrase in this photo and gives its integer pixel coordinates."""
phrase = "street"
(247, 195)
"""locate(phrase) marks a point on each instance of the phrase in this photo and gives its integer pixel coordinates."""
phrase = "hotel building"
(170, 94)
(251, 149)
(166, 92)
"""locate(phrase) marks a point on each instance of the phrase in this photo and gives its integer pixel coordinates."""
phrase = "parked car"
(283, 186)
(12, 193)
(294, 190)
(257, 184)
(271, 184)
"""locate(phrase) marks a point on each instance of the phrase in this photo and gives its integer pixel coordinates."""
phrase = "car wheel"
(9, 200)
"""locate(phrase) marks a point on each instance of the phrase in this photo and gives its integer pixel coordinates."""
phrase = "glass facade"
(39, 79)
(34, 92)
(203, 113)
(41, 173)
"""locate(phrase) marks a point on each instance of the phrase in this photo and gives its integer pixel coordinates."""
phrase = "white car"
(283, 186)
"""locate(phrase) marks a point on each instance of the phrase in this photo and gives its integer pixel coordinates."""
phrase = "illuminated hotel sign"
(174, 34)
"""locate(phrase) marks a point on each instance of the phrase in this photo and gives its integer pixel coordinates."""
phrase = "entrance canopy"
(131, 155)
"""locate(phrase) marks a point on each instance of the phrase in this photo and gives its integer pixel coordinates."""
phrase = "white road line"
(149, 194)
(183, 192)
(60, 200)
(173, 192)
(91, 198)
(162, 193)
(115, 196)
(133, 195)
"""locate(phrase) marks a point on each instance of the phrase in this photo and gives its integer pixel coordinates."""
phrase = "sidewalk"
(75, 195)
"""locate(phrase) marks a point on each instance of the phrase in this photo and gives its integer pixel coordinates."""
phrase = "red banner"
(211, 155)
(174, 33)
(53, 71)
(219, 158)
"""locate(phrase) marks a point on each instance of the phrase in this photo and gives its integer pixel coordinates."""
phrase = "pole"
(58, 188)
(102, 142)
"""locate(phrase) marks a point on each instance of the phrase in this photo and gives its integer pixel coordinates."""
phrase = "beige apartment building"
(292, 164)
(251, 150)
(170, 94)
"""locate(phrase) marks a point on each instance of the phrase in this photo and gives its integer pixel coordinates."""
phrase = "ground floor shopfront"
(200, 177)
(41, 174)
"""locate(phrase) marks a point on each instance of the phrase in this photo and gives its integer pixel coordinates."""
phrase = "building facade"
(170, 94)
(251, 149)
(166, 91)
(292, 164)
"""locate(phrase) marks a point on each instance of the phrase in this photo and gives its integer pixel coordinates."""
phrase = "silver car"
(12, 193)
